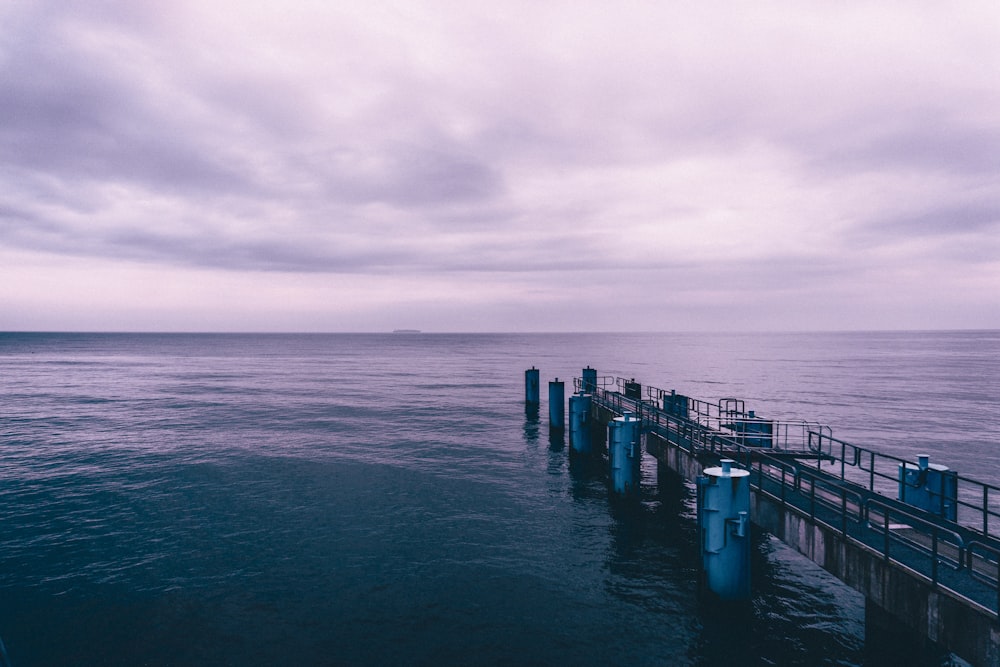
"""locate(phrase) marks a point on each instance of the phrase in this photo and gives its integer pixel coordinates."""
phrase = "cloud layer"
(450, 165)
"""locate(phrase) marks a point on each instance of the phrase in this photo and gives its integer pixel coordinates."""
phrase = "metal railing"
(842, 486)
(977, 503)
(727, 415)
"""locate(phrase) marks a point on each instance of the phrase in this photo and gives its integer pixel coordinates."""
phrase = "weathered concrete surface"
(904, 595)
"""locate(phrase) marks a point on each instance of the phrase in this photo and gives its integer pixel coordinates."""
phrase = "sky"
(499, 166)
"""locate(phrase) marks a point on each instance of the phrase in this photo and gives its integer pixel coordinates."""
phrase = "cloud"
(743, 152)
(949, 221)
(918, 140)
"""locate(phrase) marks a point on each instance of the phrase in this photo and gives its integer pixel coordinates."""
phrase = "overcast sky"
(499, 166)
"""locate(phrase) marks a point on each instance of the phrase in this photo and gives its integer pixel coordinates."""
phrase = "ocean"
(375, 499)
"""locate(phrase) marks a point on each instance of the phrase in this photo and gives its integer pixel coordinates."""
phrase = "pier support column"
(724, 523)
(665, 477)
(531, 386)
(557, 404)
(589, 380)
(625, 454)
(580, 439)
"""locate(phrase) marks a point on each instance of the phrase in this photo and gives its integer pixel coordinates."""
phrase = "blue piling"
(724, 523)
(531, 386)
(557, 404)
(625, 454)
(930, 487)
(589, 380)
(580, 439)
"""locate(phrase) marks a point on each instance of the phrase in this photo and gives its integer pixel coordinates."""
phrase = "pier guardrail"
(978, 503)
(728, 415)
(843, 486)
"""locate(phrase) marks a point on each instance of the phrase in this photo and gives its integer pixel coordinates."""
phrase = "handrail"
(972, 500)
(725, 414)
(995, 552)
(601, 381)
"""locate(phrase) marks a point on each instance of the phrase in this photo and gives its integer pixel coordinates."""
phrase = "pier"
(920, 542)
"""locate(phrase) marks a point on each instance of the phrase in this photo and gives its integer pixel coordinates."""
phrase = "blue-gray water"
(383, 499)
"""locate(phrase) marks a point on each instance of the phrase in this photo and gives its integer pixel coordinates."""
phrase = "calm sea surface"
(384, 499)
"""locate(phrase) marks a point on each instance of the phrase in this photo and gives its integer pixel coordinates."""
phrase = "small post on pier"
(723, 520)
(633, 389)
(675, 404)
(625, 454)
(580, 439)
(589, 380)
(557, 404)
(531, 386)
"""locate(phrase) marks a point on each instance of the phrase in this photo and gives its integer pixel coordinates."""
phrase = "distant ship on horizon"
(405, 331)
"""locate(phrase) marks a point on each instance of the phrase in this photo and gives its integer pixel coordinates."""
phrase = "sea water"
(372, 499)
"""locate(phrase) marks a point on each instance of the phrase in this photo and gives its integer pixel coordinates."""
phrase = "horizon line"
(425, 332)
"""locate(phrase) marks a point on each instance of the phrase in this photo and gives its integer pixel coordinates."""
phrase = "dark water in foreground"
(383, 499)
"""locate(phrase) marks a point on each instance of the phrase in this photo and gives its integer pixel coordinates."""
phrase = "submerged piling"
(557, 404)
(580, 439)
(531, 386)
(724, 524)
(625, 454)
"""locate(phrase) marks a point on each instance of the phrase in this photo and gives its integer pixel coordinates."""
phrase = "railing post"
(934, 556)
(871, 472)
(986, 512)
(783, 469)
(843, 511)
(941, 498)
(885, 524)
(812, 498)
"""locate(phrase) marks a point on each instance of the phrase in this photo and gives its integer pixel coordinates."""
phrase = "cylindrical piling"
(580, 440)
(557, 404)
(589, 380)
(531, 390)
(625, 454)
(723, 518)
